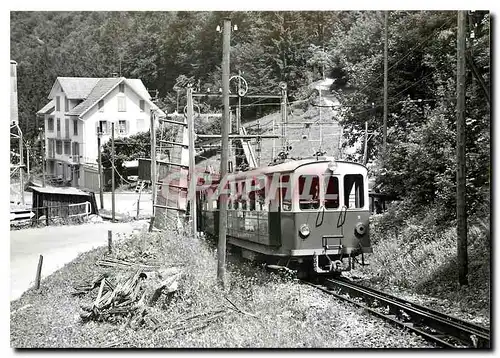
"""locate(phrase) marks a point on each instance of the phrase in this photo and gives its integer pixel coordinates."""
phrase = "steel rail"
(443, 330)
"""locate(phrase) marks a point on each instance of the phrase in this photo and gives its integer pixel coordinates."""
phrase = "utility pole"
(28, 159)
(112, 172)
(43, 161)
(99, 168)
(21, 163)
(153, 159)
(461, 169)
(192, 167)
(386, 45)
(221, 247)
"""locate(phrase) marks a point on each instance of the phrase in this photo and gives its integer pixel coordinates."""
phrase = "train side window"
(353, 191)
(285, 193)
(331, 192)
(308, 192)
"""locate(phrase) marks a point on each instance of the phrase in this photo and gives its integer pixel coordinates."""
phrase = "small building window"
(122, 104)
(122, 127)
(142, 104)
(67, 147)
(100, 105)
(66, 105)
(121, 87)
(58, 126)
(75, 126)
(58, 147)
(58, 103)
(50, 124)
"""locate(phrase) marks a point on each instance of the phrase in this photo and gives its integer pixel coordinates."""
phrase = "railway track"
(443, 330)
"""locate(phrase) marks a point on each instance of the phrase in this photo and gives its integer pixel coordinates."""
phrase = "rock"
(94, 219)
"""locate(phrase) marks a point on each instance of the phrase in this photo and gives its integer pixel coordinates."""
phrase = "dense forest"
(166, 50)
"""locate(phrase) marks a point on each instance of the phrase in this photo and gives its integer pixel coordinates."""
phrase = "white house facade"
(78, 110)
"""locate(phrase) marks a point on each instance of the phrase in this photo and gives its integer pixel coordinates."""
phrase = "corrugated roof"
(77, 87)
(54, 190)
(103, 86)
(48, 108)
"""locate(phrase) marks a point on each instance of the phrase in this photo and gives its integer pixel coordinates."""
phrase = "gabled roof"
(75, 87)
(103, 87)
(92, 90)
(48, 108)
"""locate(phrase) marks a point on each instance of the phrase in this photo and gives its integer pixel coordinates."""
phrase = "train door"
(274, 215)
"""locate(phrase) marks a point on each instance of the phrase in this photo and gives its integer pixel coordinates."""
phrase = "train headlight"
(332, 165)
(360, 229)
(304, 231)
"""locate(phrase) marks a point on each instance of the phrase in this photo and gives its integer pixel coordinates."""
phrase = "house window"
(66, 105)
(122, 127)
(50, 148)
(141, 105)
(58, 103)
(50, 124)
(58, 126)
(121, 87)
(102, 127)
(101, 105)
(66, 127)
(67, 147)
(121, 104)
(58, 147)
(76, 149)
(140, 124)
(75, 126)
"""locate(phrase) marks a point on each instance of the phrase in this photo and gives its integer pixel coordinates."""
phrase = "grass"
(419, 260)
(273, 311)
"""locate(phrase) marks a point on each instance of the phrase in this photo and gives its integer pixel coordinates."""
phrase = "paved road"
(58, 245)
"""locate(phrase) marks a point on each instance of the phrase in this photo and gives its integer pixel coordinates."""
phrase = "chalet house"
(79, 109)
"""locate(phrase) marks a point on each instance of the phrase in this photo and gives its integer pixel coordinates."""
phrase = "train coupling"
(331, 267)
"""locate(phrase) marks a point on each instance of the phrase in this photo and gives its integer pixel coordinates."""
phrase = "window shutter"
(121, 104)
(127, 127)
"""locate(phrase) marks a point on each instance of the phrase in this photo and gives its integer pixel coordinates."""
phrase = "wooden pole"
(152, 132)
(38, 276)
(386, 45)
(221, 247)
(110, 241)
(365, 150)
(461, 169)
(112, 172)
(99, 167)
(192, 167)
(21, 162)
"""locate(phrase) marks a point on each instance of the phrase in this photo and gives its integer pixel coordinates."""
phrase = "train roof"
(290, 166)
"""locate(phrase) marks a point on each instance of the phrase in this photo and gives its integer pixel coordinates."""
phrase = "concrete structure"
(78, 109)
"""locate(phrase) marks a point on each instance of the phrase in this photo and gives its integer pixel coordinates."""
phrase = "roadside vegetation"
(257, 308)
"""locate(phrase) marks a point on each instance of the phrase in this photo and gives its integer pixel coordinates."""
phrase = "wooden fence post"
(110, 241)
(39, 273)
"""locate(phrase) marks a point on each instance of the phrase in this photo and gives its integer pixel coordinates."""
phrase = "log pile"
(126, 301)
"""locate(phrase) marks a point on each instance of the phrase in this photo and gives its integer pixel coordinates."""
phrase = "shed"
(62, 202)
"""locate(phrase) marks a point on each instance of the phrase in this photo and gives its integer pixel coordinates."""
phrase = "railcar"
(311, 214)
